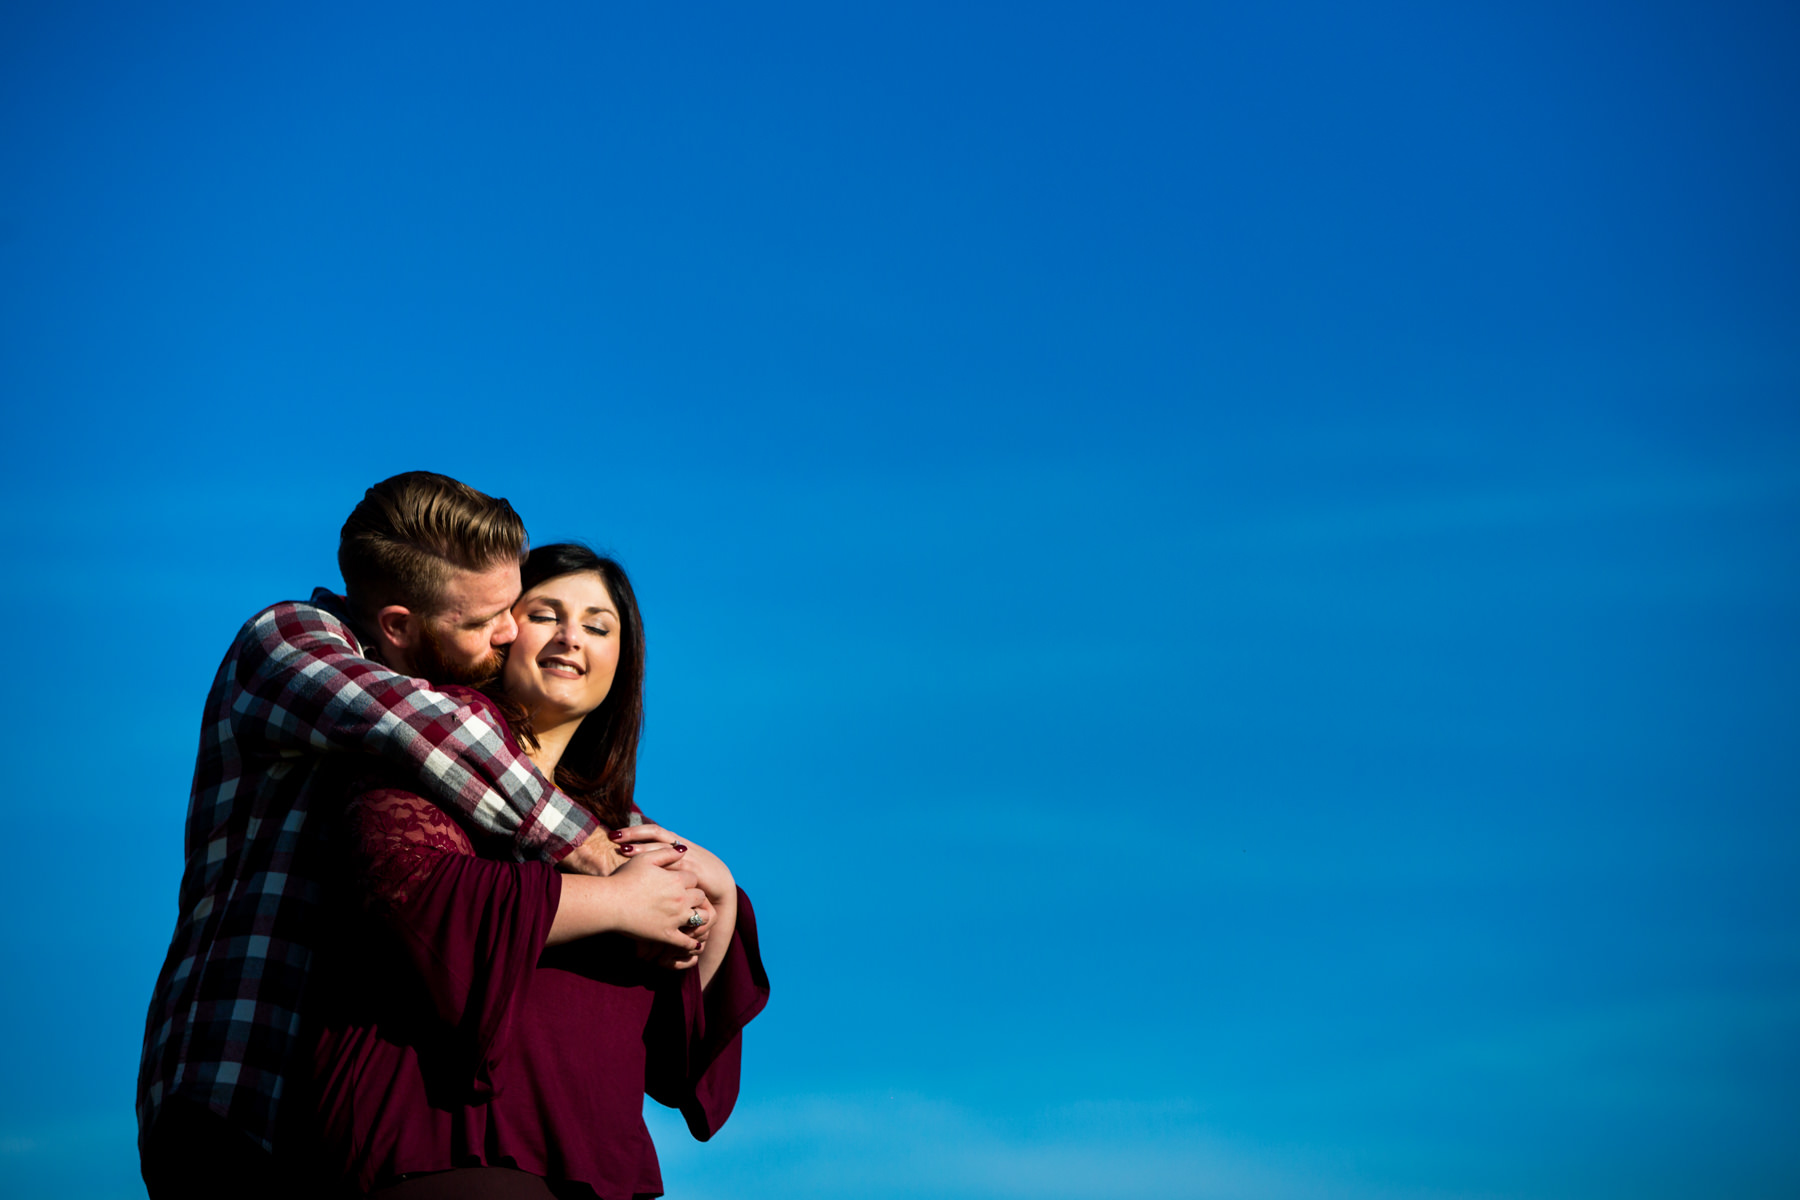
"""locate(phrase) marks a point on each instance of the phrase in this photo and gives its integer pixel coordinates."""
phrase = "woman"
(490, 1027)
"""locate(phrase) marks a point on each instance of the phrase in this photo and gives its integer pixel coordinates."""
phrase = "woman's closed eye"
(597, 630)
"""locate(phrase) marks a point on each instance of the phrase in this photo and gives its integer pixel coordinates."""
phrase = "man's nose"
(505, 630)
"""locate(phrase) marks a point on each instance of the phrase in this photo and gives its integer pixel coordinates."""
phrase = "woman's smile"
(562, 665)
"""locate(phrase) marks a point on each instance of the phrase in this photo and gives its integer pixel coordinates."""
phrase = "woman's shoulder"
(393, 814)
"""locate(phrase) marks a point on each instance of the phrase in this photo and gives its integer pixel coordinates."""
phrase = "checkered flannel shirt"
(296, 707)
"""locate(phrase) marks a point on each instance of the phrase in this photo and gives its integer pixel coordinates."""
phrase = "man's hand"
(597, 855)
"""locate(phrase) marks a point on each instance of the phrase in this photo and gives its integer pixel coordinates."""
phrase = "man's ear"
(398, 627)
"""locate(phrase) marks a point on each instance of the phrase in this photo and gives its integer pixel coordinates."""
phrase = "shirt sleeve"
(301, 685)
(694, 1040)
(470, 929)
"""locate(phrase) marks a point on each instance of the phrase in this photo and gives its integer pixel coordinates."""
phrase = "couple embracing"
(427, 945)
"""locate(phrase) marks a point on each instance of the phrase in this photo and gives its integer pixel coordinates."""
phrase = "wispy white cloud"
(865, 1144)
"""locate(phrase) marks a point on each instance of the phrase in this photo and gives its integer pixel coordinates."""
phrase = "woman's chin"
(548, 712)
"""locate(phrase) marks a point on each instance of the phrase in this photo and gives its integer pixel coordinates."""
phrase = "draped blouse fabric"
(449, 1035)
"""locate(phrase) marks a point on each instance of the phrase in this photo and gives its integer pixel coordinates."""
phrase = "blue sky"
(1226, 577)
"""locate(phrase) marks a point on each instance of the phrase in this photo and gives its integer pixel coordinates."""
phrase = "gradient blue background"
(1226, 575)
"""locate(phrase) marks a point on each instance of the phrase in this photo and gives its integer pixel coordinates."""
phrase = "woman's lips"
(556, 666)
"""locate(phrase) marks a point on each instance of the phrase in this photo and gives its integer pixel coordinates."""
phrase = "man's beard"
(431, 661)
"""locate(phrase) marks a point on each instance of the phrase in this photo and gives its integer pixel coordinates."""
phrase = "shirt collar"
(339, 607)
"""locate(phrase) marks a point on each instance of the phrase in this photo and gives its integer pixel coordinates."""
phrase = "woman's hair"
(599, 767)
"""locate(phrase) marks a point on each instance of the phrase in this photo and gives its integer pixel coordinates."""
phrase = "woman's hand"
(651, 898)
(713, 877)
(675, 956)
(636, 841)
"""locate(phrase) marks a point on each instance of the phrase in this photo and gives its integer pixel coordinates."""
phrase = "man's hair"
(401, 543)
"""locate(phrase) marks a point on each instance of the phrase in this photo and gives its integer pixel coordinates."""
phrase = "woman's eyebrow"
(596, 608)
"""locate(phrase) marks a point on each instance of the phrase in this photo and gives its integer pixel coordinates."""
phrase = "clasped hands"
(674, 880)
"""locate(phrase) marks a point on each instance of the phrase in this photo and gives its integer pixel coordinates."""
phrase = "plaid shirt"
(296, 707)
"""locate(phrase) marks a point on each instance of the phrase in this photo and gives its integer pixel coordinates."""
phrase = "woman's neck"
(552, 741)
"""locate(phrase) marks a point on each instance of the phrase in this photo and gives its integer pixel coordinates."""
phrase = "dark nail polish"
(680, 848)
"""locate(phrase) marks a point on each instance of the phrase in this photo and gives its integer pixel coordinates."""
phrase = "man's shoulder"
(323, 615)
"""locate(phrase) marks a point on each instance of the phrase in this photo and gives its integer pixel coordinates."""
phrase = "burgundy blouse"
(448, 1035)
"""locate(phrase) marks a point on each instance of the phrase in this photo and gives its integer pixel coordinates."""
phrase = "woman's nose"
(571, 634)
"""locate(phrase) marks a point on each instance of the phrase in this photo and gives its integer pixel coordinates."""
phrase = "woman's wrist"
(715, 877)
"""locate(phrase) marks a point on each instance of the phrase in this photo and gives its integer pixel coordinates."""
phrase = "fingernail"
(680, 848)
(616, 834)
(626, 849)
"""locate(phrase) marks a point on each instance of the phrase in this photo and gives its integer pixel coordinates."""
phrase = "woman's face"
(562, 664)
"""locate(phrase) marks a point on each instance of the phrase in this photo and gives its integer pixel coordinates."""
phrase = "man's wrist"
(593, 855)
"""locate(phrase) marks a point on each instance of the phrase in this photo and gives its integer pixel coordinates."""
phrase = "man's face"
(460, 643)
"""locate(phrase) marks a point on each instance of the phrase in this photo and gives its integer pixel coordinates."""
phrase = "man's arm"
(300, 685)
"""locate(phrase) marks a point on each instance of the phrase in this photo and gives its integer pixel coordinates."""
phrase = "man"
(308, 694)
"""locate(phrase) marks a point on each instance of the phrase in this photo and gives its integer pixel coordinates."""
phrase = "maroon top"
(450, 1036)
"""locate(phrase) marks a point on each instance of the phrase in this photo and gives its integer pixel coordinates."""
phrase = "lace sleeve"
(469, 928)
(393, 840)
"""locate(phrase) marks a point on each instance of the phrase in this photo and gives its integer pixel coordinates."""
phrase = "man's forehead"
(485, 591)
